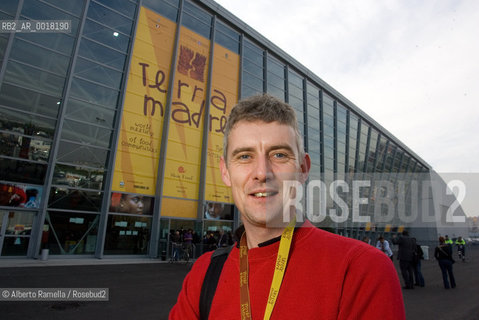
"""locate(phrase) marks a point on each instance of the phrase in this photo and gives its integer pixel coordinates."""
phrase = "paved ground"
(147, 290)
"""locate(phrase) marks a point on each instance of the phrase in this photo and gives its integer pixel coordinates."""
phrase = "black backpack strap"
(210, 282)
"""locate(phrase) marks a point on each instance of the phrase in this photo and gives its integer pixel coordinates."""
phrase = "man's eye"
(244, 157)
(279, 155)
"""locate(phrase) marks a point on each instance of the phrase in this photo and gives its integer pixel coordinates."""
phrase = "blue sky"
(413, 66)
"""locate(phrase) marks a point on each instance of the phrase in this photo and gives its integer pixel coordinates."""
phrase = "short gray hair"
(264, 108)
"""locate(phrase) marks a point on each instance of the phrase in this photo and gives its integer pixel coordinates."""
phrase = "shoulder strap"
(210, 282)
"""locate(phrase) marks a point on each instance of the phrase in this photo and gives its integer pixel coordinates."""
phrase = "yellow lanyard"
(281, 262)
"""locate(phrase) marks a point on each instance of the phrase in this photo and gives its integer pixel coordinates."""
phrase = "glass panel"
(36, 10)
(39, 57)
(78, 177)
(3, 44)
(75, 7)
(253, 53)
(9, 7)
(107, 17)
(295, 79)
(89, 134)
(17, 235)
(94, 72)
(94, 93)
(341, 113)
(276, 81)
(107, 36)
(22, 171)
(66, 198)
(164, 8)
(124, 6)
(328, 110)
(82, 155)
(56, 41)
(297, 103)
(87, 112)
(102, 54)
(127, 234)
(19, 223)
(253, 68)
(196, 19)
(19, 195)
(71, 233)
(276, 92)
(313, 112)
(25, 123)
(34, 79)
(18, 146)
(227, 37)
(27, 100)
(252, 81)
(248, 91)
(275, 67)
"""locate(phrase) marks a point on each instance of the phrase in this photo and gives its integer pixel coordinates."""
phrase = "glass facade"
(111, 134)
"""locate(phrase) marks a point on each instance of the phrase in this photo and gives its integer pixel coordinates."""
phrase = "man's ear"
(305, 167)
(225, 175)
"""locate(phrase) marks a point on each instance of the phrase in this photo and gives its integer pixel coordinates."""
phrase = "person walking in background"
(383, 245)
(407, 247)
(443, 254)
(461, 248)
(448, 241)
(418, 256)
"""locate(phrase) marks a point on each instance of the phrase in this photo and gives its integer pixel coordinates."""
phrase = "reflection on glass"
(40, 57)
(27, 124)
(78, 177)
(34, 79)
(66, 198)
(82, 155)
(102, 54)
(97, 73)
(104, 35)
(127, 235)
(29, 101)
(22, 171)
(95, 93)
(70, 233)
(17, 195)
(108, 17)
(18, 146)
(17, 232)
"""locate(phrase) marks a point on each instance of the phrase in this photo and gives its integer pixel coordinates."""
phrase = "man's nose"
(263, 170)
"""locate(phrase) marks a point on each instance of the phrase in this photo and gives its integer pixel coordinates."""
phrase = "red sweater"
(327, 277)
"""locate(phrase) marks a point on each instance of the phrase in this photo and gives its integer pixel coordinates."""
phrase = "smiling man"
(279, 270)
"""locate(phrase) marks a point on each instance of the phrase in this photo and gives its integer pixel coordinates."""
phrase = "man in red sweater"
(277, 270)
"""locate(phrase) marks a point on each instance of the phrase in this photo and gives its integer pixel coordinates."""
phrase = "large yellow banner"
(138, 148)
(224, 95)
(183, 155)
(141, 128)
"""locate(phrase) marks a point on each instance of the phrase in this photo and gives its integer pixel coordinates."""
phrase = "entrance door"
(15, 232)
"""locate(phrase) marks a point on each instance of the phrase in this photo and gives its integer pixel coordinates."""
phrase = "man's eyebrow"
(239, 150)
(280, 146)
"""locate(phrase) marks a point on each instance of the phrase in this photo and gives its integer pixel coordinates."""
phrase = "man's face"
(260, 157)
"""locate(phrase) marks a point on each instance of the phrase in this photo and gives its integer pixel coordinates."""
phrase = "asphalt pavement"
(148, 289)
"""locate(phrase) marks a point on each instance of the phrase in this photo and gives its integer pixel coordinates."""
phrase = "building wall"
(104, 144)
